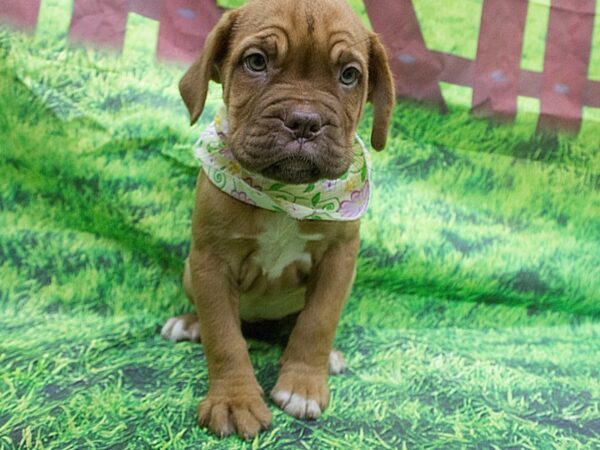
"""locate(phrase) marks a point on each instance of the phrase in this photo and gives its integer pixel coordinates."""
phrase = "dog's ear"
(381, 92)
(193, 87)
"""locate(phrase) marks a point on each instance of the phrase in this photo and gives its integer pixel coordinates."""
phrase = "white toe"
(312, 409)
(296, 405)
(177, 332)
(177, 329)
(337, 363)
(166, 329)
(281, 397)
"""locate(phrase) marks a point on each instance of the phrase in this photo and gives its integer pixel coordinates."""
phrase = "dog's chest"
(274, 283)
(281, 244)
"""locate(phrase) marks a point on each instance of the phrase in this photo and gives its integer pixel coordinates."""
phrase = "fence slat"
(147, 8)
(22, 13)
(416, 69)
(566, 63)
(498, 61)
(184, 25)
(99, 21)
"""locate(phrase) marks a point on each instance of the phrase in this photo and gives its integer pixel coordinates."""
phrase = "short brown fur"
(303, 75)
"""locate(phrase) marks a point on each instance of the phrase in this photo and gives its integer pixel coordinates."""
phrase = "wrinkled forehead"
(317, 29)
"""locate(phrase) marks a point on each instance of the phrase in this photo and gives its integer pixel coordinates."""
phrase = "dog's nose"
(303, 124)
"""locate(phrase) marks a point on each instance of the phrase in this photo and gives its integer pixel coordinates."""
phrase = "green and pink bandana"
(343, 199)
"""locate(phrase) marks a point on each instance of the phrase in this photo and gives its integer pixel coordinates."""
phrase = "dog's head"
(296, 75)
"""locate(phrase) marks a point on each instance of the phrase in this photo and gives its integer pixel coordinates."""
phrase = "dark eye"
(256, 62)
(349, 76)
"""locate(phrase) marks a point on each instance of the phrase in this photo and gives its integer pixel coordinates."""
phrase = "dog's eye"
(256, 62)
(349, 76)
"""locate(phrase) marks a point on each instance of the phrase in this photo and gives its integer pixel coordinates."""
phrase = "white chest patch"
(280, 244)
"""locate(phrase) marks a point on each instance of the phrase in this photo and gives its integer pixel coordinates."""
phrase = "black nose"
(303, 124)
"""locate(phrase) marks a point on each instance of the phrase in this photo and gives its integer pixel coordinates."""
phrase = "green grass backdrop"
(474, 322)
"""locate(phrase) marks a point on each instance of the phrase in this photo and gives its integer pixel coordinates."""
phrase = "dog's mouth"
(293, 170)
(272, 154)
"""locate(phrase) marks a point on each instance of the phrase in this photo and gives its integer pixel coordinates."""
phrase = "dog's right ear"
(193, 87)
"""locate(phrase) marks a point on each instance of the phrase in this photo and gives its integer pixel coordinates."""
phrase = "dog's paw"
(182, 328)
(337, 363)
(241, 411)
(301, 394)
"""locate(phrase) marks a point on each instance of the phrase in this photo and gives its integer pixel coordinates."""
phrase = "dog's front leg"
(234, 402)
(302, 389)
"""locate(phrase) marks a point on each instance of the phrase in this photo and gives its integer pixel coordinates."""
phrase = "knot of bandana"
(342, 199)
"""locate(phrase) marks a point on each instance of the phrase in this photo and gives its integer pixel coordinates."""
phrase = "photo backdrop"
(474, 317)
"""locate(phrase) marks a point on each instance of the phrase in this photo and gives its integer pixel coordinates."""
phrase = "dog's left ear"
(381, 92)
(193, 87)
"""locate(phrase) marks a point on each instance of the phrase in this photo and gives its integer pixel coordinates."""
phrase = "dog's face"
(296, 75)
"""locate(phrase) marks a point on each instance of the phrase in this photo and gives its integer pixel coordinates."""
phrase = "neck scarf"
(343, 199)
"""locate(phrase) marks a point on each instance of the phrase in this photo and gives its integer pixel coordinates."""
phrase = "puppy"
(296, 75)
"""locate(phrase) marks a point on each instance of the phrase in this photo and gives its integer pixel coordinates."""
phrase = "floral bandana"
(343, 199)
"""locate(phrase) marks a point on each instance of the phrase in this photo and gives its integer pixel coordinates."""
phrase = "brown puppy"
(296, 75)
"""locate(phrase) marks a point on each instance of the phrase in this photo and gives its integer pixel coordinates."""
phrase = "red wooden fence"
(184, 24)
(495, 74)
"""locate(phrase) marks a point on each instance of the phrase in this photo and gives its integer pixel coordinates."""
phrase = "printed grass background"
(474, 322)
